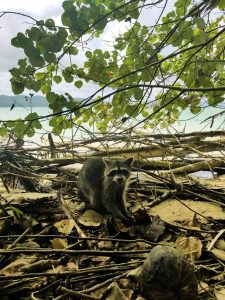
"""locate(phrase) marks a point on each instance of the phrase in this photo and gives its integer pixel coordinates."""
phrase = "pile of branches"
(52, 246)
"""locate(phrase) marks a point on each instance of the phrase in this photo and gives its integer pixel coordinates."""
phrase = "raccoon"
(103, 183)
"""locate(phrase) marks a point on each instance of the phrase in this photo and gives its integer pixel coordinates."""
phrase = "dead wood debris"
(51, 246)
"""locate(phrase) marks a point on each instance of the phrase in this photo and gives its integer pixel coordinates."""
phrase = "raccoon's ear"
(129, 161)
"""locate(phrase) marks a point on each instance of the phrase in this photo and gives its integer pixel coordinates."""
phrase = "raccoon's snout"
(119, 180)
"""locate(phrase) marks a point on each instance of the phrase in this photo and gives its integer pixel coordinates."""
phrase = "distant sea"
(187, 122)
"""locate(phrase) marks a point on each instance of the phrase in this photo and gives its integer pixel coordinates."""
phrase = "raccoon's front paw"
(130, 219)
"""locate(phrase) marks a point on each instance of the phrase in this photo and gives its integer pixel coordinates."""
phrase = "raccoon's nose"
(119, 180)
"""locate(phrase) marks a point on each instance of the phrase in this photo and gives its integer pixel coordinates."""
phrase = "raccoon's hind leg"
(95, 202)
(87, 196)
(80, 192)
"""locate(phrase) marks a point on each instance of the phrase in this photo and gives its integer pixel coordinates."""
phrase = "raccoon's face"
(118, 171)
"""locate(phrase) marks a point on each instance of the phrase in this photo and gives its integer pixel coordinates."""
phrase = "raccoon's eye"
(112, 173)
(124, 172)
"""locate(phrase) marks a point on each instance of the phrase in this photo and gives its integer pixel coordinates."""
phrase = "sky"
(10, 24)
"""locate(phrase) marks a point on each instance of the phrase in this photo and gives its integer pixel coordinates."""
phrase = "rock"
(167, 275)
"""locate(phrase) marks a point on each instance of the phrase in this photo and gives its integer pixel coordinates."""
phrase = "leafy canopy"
(153, 69)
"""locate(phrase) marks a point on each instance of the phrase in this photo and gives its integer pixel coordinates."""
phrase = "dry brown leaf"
(220, 254)
(220, 244)
(90, 218)
(195, 222)
(135, 273)
(72, 265)
(101, 260)
(202, 287)
(114, 292)
(127, 246)
(58, 243)
(128, 293)
(125, 283)
(220, 294)
(142, 245)
(105, 245)
(14, 267)
(190, 247)
(119, 226)
(65, 226)
(218, 277)
(56, 270)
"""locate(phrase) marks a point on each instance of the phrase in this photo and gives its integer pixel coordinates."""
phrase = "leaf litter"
(52, 246)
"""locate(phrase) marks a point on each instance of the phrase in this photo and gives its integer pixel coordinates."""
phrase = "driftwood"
(206, 165)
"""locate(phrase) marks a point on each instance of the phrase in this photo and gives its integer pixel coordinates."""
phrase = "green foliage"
(16, 210)
(146, 67)
(3, 131)
(17, 87)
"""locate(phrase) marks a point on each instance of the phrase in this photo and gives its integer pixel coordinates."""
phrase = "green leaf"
(221, 4)
(34, 56)
(88, 54)
(73, 51)
(45, 89)
(51, 97)
(195, 110)
(40, 76)
(20, 128)
(67, 76)
(35, 85)
(35, 33)
(220, 66)
(35, 123)
(67, 4)
(146, 75)
(134, 14)
(57, 78)
(37, 61)
(175, 113)
(53, 122)
(78, 84)
(15, 72)
(50, 57)
(50, 22)
(19, 41)
(200, 23)
(15, 209)
(132, 110)
(40, 22)
(22, 62)
(215, 99)
(101, 24)
(138, 93)
(3, 131)
(17, 87)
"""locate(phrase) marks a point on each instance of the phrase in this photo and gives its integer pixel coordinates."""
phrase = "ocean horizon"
(187, 122)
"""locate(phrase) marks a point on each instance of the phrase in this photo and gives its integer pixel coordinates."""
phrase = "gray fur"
(103, 183)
